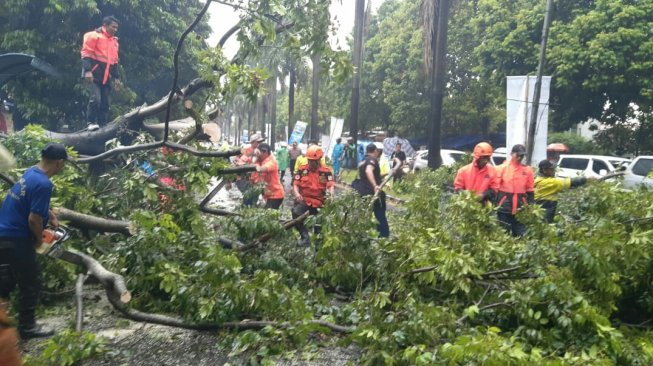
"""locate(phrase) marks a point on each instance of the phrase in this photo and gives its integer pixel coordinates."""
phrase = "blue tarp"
(465, 142)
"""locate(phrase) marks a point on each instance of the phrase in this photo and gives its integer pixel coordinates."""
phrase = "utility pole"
(438, 79)
(357, 61)
(530, 143)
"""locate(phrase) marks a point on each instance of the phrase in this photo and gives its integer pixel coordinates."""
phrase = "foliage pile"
(449, 287)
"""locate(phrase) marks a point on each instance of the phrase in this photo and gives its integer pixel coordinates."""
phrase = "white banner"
(519, 91)
(335, 131)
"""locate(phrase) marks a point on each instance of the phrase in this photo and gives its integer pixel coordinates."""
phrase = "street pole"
(530, 144)
(357, 61)
(439, 74)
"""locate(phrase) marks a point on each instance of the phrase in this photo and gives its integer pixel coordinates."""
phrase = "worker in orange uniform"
(248, 156)
(311, 184)
(516, 189)
(9, 353)
(267, 172)
(100, 69)
(480, 176)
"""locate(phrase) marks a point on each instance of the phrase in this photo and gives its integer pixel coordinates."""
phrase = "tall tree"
(357, 57)
(436, 63)
(316, 60)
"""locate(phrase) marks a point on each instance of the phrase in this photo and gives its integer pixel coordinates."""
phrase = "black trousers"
(298, 210)
(510, 223)
(97, 110)
(19, 267)
(273, 203)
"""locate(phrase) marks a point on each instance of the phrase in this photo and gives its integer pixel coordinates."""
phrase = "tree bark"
(357, 59)
(93, 142)
(315, 95)
(273, 111)
(291, 101)
(113, 283)
(84, 221)
(438, 77)
(237, 325)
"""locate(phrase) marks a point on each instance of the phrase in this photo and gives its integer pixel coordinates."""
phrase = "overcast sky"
(223, 17)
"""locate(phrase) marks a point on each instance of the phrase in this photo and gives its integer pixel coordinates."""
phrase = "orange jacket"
(479, 181)
(9, 353)
(100, 55)
(312, 185)
(269, 176)
(516, 186)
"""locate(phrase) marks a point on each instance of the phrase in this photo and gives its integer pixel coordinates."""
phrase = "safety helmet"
(482, 149)
(314, 153)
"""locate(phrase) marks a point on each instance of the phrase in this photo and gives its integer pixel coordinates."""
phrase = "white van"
(590, 166)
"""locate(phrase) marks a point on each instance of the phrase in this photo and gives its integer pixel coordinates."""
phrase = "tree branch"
(113, 283)
(240, 325)
(265, 237)
(85, 221)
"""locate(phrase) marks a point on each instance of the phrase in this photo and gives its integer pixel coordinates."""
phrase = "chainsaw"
(53, 242)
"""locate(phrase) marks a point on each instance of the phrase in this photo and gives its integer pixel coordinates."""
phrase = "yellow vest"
(547, 188)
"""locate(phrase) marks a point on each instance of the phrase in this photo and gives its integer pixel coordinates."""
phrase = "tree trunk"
(84, 221)
(438, 77)
(315, 96)
(273, 111)
(93, 142)
(291, 102)
(357, 61)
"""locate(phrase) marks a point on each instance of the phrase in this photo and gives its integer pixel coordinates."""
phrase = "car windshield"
(457, 156)
(618, 163)
(574, 163)
(643, 167)
(498, 160)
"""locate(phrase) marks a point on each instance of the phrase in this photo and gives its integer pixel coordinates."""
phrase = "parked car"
(590, 166)
(449, 157)
(637, 173)
(499, 156)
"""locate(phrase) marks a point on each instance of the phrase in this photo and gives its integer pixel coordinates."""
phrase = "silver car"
(638, 172)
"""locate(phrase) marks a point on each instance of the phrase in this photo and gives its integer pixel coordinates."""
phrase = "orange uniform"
(100, 53)
(9, 353)
(479, 181)
(269, 175)
(313, 185)
(516, 186)
(247, 155)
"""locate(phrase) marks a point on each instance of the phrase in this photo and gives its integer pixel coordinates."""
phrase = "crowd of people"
(313, 181)
(512, 185)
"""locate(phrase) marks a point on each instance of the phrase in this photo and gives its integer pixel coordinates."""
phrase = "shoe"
(36, 331)
(92, 127)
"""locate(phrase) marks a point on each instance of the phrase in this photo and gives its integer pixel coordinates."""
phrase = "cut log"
(114, 284)
(84, 221)
(79, 302)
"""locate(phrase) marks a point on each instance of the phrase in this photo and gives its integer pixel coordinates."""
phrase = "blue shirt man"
(31, 194)
(24, 214)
